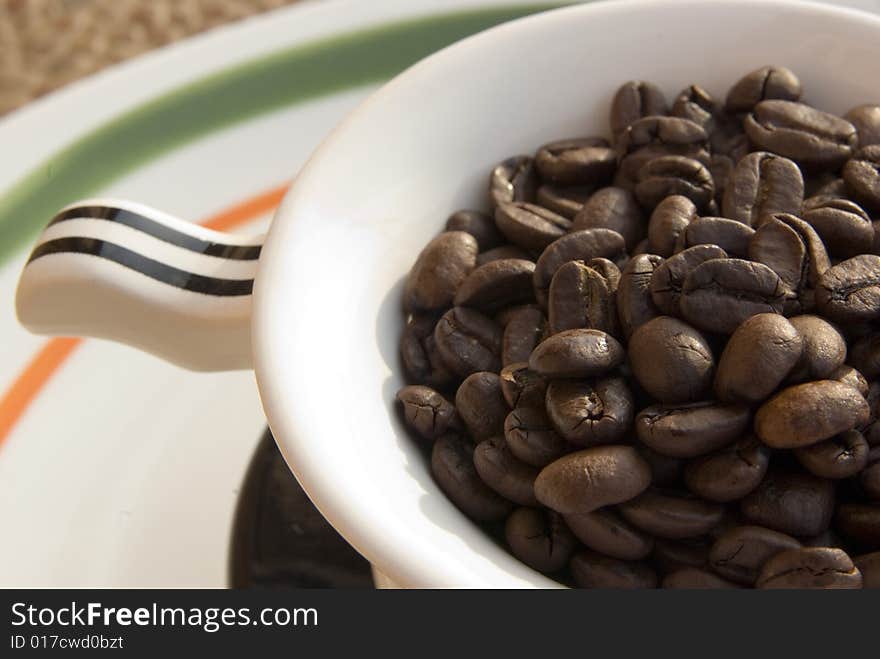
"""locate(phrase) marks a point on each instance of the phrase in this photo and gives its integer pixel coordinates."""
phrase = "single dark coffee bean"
(806, 414)
(531, 437)
(500, 470)
(762, 184)
(497, 284)
(502, 252)
(696, 104)
(731, 236)
(865, 355)
(593, 570)
(729, 473)
(672, 555)
(810, 567)
(718, 295)
(850, 376)
(521, 386)
(812, 138)
(861, 175)
(860, 523)
(581, 161)
(839, 457)
(671, 515)
(481, 405)
(824, 349)
(691, 430)
(443, 264)
(530, 226)
(419, 354)
(426, 411)
(796, 503)
(692, 578)
(843, 226)
(616, 209)
(566, 201)
(869, 566)
(665, 132)
(452, 464)
(674, 175)
(850, 291)
(634, 304)
(762, 84)
(588, 412)
(468, 342)
(668, 278)
(539, 538)
(741, 552)
(524, 330)
(583, 481)
(669, 219)
(479, 224)
(634, 100)
(760, 354)
(866, 119)
(580, 297)
(609, 271)
(606, 532)
(631, 163)
(580, 245)
(671, 360)
(578, 353)
(665, 471)
(513, 180)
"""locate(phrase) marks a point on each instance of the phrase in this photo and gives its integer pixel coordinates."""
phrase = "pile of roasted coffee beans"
(656, 362)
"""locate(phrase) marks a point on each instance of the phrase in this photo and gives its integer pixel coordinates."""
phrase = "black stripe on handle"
(159, 231)
(153, 269)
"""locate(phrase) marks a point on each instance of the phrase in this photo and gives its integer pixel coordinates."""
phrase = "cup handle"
(122, 271)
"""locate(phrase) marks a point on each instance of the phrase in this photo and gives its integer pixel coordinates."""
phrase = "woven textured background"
(47, 43)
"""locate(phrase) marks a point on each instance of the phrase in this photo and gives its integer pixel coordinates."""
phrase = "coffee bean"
(426, 411)
(634, 304)
(496, 285)
(539, 539)
(768, 82)
(468, 342)
(839, 457)
(843, 226)
(609, 271)
(592, 570)
(669, 219)
(668, 278)
(606, 532)
(566, 201)
(865, 355)
(761, 352)
(666, 132)
(616, 209)
(741, 552)
(812, 138)
(521, 386)
(731, 236)
(576, 353)
(634, 100)
(850, 376)
(861, 175)
(810, 567)
(583, 481)
(671, 515)
(530, 226)
(419, 354)
(580, 245)
(688, 431)
(524, 330)
(581, 161)
(671, 360)
(481, 405)
(762, 184)
(580, 297)
(587, 412)
(696, 104)
(479, 224)
(665, 471)
(729, 473)
(850, 291)
(452, 465)
(531, 438)
(502, 252)
(809, 413)
(866, 119)
(795, 503)
(860, 523)
(674, 175)
(824, 349)
(437, 273)
(692, 578)
(720, 294)
(869, 566)
(502, 472)
(513, 180)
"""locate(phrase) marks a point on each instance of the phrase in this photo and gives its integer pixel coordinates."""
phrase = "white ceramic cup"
(323, 330)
